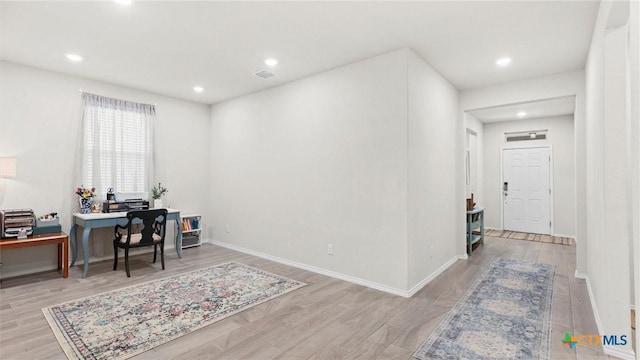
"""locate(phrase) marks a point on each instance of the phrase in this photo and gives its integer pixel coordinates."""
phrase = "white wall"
(560, 137)
(617, 185)
(634, 132)
(434, 214)
(317, 161)
(609, 144)
(39, 123)
(324, 160)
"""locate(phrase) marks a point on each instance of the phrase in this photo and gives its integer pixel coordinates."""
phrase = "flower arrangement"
(158, 191)
(86, 193)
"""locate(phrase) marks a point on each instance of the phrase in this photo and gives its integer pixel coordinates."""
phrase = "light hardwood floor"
(328, 319)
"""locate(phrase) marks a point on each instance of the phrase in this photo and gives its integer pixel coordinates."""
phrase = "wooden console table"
(59, 238)
(475, 221)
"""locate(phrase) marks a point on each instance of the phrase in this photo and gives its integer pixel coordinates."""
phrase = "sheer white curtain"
(117, 145)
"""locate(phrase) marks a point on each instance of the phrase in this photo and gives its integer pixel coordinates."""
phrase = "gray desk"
(475, 220)
(98, 220)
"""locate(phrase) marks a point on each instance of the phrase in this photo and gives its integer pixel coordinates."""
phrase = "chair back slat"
(153, 222)
(153, 230)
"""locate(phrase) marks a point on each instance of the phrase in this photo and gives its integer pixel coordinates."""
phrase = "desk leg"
(85, 250)
(178, 243)
(74, 244)
(65, 258)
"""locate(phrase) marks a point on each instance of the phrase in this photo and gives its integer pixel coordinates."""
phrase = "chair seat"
(136, 238)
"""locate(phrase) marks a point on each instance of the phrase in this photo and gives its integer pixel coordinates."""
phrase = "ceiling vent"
(265, 74)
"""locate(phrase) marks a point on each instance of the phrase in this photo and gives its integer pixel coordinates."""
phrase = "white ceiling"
(535, 109)
(168, 47)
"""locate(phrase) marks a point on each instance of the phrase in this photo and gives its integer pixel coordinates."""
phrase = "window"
(117, 144)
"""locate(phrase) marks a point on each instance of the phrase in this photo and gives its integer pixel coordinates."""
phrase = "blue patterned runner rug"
(125, 322)
(506, 314)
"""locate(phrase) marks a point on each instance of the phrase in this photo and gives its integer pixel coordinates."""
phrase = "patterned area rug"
(531, 237)
(506, 314)
(122, 323)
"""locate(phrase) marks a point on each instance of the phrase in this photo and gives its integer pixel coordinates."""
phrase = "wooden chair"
(153, 229)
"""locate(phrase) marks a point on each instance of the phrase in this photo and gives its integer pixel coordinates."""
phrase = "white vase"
(157, 203)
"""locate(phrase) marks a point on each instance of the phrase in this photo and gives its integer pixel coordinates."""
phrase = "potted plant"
(156, 194)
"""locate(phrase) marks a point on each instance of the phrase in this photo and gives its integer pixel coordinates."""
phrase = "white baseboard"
(314, 269)
(622, 354)
(594, 308)
(337, 275)
(608, 349)
(31, 270)
(463, 256)
(434, 275)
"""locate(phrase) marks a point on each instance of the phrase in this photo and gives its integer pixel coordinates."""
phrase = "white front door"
(526, 190)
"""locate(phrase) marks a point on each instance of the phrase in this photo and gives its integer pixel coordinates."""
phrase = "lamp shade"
(8, 167)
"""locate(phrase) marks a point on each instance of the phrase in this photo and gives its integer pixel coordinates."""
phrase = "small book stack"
(189, 224)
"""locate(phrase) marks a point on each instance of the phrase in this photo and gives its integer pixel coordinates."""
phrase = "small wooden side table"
(59, 238)
(475, 221)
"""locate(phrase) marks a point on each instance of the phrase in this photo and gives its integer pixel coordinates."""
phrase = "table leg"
(65, 258)
(85, 250)
(59, 256)
(469, 236)
(178, 242)
(482, 227)
(74, 244)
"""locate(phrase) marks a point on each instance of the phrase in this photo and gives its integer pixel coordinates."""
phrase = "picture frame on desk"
(96, 207)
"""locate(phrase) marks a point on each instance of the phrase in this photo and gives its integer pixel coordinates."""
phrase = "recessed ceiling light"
(123, 2)
(73, 57)
(271, 61)
(522, 114)
(503, 61)
(198, 89)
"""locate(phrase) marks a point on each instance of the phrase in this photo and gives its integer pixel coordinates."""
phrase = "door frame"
(551, 204)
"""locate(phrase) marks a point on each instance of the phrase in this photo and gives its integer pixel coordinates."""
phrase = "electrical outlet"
(228, 229)
(330, 249)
